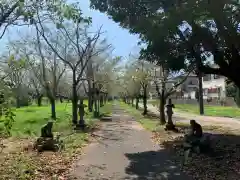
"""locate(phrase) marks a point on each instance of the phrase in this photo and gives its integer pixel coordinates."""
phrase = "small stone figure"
(46, 130)
(81, 113)
(47, 142)
(169, 112)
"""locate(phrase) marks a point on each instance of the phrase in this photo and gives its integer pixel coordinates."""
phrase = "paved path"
(231, 123)
(125, 152)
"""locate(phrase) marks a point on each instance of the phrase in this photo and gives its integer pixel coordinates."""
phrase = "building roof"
(190, 75)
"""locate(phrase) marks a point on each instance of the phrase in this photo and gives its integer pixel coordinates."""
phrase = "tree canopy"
(182, 33)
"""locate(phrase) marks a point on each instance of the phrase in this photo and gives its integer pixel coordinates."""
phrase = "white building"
(214, 86)
(189, 87)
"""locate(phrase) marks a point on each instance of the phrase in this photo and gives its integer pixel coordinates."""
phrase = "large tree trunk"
(53, 108)
(74, 100)
(90, 105)
(101, 100)
(74, 106)
(144, 100)
(95, 101)
(161, 108)
(90, 97)
(237, 97)
(98, 104)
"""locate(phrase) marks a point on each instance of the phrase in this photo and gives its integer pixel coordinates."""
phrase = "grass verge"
(19, 160)
(149, 123)
(219, 111)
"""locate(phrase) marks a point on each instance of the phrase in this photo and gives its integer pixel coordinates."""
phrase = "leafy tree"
(15, 68)
(201, 32)
(237, 97)
(233, 91)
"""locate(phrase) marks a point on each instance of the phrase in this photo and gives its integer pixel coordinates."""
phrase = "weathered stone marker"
(47, 142)
(46, 130)
(169, 112)
(81, 113)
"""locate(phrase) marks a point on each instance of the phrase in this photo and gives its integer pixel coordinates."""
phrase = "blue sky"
(123, 42)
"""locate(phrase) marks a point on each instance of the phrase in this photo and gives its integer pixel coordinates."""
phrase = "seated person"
(195, 134)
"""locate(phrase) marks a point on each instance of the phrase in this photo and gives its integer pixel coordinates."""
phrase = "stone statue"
(169, 110)
(81, 113)
(46, 130)
(47, 142)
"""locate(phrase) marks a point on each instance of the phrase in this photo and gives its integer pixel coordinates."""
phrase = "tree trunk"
(95, 102)
(104, 99)
(137, 102)
(101, 100)
(74, 101)
(144, 100)
(125, 99)
(18, 102)
(39, 100)
(237, 97)
(53, 108)
(90, 97)
(161, 108)
(74, 110)
(132, 101)
(98, 105)
(90, 105)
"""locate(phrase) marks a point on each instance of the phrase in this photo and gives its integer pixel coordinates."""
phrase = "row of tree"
(59, 58)
(141, 77)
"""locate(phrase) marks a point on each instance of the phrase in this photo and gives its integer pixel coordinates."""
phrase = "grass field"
(219, 111)
(29, 120)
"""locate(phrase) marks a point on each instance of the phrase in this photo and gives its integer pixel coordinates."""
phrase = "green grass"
(106, 110)
(29, 120)
(148, 123)
(219, 111)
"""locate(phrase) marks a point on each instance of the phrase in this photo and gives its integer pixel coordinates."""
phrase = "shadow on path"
(153, 165)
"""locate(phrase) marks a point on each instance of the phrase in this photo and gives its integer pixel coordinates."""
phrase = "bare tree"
(79, 47)
(45, 68)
